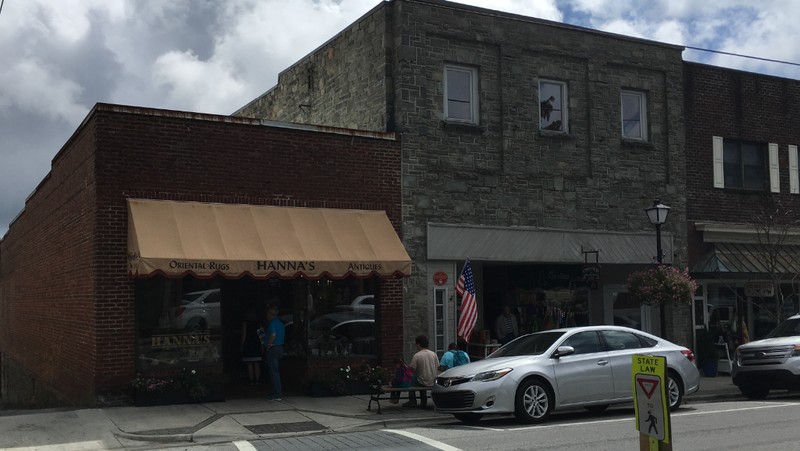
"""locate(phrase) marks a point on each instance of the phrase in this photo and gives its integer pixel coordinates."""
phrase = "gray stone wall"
(343, 83)
(505, 171)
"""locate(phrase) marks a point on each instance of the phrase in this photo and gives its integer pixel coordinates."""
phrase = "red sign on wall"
(440, 277)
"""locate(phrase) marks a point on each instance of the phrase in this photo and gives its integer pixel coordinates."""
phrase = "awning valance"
(739, 258)
(232, 240)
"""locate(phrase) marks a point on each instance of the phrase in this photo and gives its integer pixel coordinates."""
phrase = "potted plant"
(660, 285)
(707, 357)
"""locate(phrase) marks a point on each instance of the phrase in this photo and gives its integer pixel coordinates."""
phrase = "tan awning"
(232, 240)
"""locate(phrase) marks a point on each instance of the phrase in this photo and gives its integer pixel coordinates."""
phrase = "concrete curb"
(161, 438)
(368, 425)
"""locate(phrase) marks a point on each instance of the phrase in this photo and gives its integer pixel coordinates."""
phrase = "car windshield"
(788, 328)
(533, 344)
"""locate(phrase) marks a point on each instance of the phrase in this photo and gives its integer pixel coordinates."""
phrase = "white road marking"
(618, 420)
(425, 440)
(244, 445)
(75, 446)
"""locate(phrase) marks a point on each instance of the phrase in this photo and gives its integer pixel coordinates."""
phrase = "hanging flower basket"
(661, 284)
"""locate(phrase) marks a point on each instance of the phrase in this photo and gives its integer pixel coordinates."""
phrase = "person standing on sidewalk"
(274, 346)
(425, 365)
(252, 345)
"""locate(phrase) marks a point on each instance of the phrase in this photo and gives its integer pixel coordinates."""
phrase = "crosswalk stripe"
(244, 445)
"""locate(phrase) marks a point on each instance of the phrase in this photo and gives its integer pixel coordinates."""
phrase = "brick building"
(742, 180)
(529, 146)
(129, 256)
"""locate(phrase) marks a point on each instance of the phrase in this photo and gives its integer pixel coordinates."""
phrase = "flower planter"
(215, 392)
(318, 389)
(357, 388)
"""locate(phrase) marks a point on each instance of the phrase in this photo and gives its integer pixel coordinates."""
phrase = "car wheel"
(534, 401)
(468, 418)
(754, 392)
(674, 390)
(597, 408)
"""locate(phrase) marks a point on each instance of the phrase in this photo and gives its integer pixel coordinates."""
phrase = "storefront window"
(178, 322)
(341, 317)
(195, 322)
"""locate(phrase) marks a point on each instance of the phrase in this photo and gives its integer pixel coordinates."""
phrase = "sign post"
(650, 403)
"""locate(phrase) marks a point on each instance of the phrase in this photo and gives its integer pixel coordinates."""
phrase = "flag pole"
(456, 307)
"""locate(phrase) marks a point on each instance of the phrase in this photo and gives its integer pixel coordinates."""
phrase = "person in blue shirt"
(453, 357)
(274, 346)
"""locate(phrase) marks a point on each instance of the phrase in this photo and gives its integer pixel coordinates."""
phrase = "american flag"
(465, 287)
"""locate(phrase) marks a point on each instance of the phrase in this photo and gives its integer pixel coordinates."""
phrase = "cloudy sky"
(60, 57)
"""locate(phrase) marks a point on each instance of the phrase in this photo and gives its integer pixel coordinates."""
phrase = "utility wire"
(1, 5)
(743, 56)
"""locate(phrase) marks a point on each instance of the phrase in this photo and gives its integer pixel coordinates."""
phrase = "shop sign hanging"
(759, 289)
(440, 277)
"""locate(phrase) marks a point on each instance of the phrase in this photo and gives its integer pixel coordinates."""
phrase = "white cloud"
(59, 57)
(196, 85)
(35, 87)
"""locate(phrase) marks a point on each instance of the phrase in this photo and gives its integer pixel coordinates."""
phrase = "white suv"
(771, 363)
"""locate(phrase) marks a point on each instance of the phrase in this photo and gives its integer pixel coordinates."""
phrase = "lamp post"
(658, 216)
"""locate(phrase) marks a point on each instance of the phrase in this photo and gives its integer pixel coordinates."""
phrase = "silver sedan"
(558, 369)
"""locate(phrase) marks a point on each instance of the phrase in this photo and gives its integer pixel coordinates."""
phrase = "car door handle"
(602, 362)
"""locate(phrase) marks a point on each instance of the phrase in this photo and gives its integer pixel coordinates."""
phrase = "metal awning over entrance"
(750, 258)
(232, 240)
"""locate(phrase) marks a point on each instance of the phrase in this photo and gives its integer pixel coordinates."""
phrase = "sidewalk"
(238, 419)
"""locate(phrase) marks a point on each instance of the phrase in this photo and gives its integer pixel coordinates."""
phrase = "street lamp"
(658, 216)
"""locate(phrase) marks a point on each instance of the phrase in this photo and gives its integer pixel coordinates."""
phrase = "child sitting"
(402, 379)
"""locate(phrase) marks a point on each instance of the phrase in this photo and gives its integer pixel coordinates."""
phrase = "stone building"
(742, 137)
(528, 146)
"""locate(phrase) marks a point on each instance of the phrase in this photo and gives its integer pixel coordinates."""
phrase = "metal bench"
(378, 391)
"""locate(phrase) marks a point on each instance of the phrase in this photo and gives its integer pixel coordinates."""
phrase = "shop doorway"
(621, 310)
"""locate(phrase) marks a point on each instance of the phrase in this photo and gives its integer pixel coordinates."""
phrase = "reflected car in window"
(361, 304)
(342, 334)
(198, 311)
(539, 373)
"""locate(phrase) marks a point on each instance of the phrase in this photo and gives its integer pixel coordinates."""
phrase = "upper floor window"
(745, 165)
(461, 94)
(552, 106)
(634, 115)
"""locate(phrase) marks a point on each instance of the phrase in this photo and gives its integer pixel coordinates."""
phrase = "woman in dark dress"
(252, 346)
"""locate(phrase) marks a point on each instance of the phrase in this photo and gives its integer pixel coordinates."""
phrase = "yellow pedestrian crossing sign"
(650, 397)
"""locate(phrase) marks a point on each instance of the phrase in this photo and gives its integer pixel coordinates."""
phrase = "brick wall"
(157, 154)
(742, 106)
(47, 320)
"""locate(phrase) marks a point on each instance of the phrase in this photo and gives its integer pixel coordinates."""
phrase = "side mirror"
(563, 351)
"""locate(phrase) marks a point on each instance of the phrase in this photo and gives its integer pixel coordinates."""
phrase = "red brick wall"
(734, 105)
(47, 325)
(156, 154)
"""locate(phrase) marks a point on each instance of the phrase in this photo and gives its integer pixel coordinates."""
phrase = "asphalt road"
(737, 425)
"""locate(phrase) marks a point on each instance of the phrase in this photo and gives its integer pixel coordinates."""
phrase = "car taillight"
(689, 354)
(179, 310)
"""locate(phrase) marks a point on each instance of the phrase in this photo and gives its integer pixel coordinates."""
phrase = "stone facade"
(504, 171)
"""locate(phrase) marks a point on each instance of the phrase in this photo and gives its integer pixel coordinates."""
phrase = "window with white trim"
(745, 165)
(553, 106)
(461, 94)
(634, 115)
